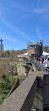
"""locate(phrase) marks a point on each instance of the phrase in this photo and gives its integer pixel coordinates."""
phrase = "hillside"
(8, 73)
(46, 48)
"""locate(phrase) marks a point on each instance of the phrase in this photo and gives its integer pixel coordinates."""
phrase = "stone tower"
(1, 45)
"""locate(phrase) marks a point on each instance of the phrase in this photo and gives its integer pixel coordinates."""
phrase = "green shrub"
(6, 83)
(1, 100)
(3, 96)
(5, 91)
(2, 84)
(4, 76)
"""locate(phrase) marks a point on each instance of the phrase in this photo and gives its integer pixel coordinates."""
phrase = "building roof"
(33, 43)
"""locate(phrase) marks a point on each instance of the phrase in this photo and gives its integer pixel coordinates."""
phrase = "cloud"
(34, 11)
(43, 12)
(39, 36)
(16, 6)
(29, 9)
(39, 10)
(26, 15)
(8, 37)
(21, 8)
(14, 41)
(18, 31)
(3, 8)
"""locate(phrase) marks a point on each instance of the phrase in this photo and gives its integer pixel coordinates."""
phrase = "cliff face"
(23, 66)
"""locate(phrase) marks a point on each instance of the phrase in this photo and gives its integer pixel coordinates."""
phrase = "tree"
(46, 48)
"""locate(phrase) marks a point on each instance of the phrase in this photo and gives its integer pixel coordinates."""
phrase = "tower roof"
(33, 43)
(1, 40)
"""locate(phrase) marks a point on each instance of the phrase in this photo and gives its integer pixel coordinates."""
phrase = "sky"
(23, 21)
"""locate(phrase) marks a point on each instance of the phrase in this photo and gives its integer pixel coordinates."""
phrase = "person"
(45, 60)
(42, 60)
(47, 63)
(39, 60)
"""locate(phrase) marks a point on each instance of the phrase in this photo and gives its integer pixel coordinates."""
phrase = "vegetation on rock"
(6, 83)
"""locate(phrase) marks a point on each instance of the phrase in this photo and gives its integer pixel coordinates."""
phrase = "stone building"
(35, 48)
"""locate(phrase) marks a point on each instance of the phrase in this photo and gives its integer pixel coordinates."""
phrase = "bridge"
(31, 95)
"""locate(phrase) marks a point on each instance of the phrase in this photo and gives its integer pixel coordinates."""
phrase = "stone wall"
(38, 51)
(16, 100)
(29, 93)
(46, 93)
(31, 51)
